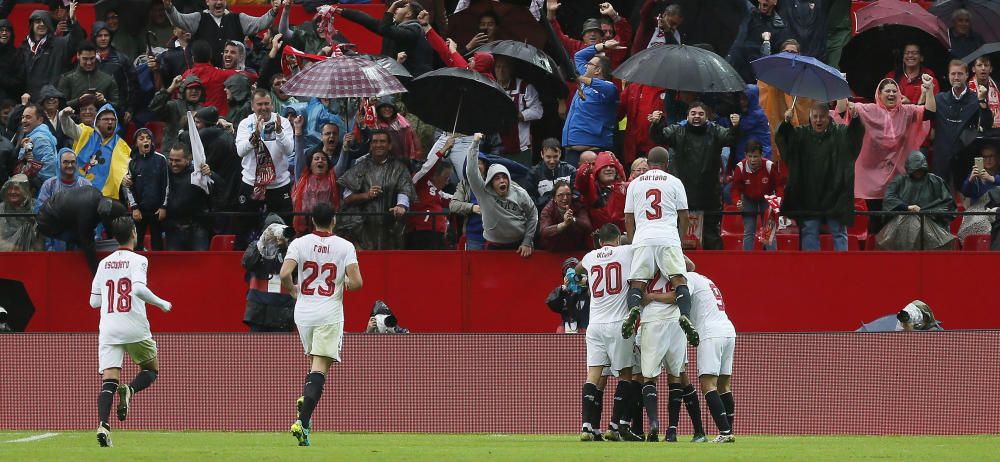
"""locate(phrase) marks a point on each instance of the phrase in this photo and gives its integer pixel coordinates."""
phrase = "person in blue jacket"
(592, 118)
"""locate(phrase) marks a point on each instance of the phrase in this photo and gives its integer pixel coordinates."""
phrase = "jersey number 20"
(124, 290)
(610, 275)
(313, 269)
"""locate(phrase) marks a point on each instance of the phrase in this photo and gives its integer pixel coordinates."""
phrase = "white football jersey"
(708, 311)
(654, 199)
(607, 275)
(123, 314)
(322, 262)
(659, 311)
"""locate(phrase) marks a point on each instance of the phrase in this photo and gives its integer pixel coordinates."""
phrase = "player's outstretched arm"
(352, 278)
(286, 277)
(149, 297)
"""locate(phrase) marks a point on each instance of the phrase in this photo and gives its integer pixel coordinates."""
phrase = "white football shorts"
(663, 345)
(646, 261)
(715, 356)
(326, 340)
(606, 347)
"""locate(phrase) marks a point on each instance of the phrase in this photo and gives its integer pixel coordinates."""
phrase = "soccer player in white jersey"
(326, 265)
(606, 269)
(655, 210)
(715, 352)
(119, 290)
(661, 341)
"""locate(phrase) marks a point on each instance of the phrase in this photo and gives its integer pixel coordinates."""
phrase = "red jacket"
(765, 181)
(429, 199)
(213, 81)
(606, 204)
(623, 34)
(637, 102)
(576, 237)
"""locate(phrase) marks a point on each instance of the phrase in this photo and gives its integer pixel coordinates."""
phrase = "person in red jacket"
(637, 102)
(753, 178)
(602, 189)
(427, 232)
(564, 222)
(212, 78)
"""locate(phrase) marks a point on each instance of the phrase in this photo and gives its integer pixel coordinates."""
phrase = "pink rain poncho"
(890, 136)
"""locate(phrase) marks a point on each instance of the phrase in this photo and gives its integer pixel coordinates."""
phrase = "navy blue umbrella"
(803, 76)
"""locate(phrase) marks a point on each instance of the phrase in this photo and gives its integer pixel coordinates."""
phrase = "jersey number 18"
(124, 290)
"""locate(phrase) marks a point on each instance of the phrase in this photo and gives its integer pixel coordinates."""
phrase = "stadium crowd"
(107, 107)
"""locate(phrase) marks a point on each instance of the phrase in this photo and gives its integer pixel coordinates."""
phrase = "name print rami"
(321, 248)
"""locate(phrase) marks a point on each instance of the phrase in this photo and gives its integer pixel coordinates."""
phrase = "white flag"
(198, 155)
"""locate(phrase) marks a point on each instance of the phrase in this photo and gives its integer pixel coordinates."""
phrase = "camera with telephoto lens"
(385, 321)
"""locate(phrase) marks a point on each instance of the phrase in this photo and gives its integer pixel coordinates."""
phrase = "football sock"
(649, 400)
(634, 298)
(104, 400)
(694, 409)
(636, 411)
(589, 404)
(595, 421)
(718, 411)
(674, 405)
(142, 380)
(311, 393)
(619, 412)
(727, 401)
(683, 300)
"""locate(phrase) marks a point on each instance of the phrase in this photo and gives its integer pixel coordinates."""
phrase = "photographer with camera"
(382, 321)
(571, 300)
(270, 308)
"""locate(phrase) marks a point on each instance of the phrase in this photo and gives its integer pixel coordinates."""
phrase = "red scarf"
(992, 99)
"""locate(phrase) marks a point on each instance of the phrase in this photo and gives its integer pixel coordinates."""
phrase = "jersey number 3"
(610, 275)
(124, 290)
(657, 212)
(313, 269)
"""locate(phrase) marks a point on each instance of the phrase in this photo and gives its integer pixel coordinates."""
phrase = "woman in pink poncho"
(892, 131)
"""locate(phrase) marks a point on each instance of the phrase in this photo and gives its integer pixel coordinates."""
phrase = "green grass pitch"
(136, 446)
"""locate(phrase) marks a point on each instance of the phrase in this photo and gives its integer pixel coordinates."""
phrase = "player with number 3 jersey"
(326, 265)
(655, 213)
(119, 290)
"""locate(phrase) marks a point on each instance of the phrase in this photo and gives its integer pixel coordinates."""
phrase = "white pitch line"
(33, 438)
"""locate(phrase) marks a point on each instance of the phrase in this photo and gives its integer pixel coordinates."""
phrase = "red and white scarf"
(992, 99)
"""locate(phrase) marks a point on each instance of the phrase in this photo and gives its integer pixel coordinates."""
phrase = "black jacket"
(188, 202)
(11, 67)
(807, 22)
(221, 157)
(52, 58)
(697, 159)
(72, 215)
(149, 180)
(542, 178)
(406, 36)
(746, 46)
(956, 124)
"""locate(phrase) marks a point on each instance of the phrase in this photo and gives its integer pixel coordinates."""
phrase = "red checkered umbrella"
(344, 77)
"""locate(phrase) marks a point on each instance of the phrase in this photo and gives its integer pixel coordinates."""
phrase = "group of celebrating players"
(666, 302)
(636, 333)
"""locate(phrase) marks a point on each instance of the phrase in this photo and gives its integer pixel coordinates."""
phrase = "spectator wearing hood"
(17, 234)
(52, 100)
(763, 26)
(465, 203)
(541, 181)
(102, 156)
(237, 89)
(43, 145)
(918, 190)
(269, 306)
(173, 111)
(212, 78)
(68, 177)
(753, 126)
(148, 188)
(401, 32)
(45, 56)
(217, 25)
(404, 142)
(118, 65)
(602, 186)
(378, 184)
(819, 161)
(188, 225)
(62, 15)
(510, 218)
(564, 222)
(697, 161)
(595, 32)
(87, 76)
(590, 123)
(11, 64)
(72, 215)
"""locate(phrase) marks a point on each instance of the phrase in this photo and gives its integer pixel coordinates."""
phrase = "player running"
(654, 204)
(326, 265)
(606, 269)
(715, 353)
(119, 290)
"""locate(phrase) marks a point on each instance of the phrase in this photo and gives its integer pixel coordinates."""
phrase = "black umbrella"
(397, 70)
(133, 15)
(990, 49)
(872, 54)
(985, 15)
(461, 99)
(683, 68)
(14, 298)
(533, 65)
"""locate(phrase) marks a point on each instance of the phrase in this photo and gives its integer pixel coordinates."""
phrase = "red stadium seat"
(976, 242)
(787, 241)
(957, 222)
(732, 224)
(732, 241)
(157, 128)
(222, 242)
